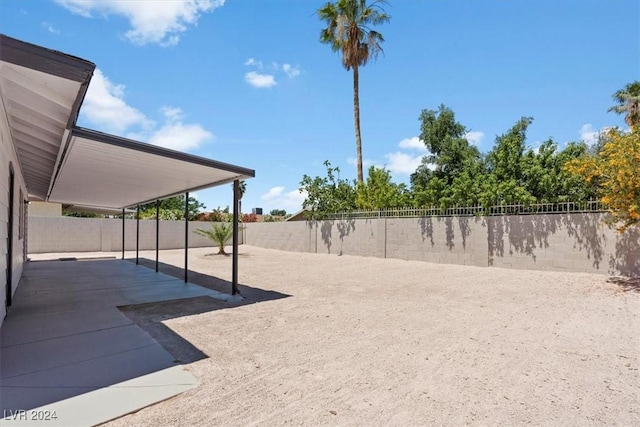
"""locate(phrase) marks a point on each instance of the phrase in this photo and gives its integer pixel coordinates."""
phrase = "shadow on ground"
(150, 317)
(627, 284)
(250, 294)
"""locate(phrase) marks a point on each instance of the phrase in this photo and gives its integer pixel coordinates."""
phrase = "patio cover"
(107, 171)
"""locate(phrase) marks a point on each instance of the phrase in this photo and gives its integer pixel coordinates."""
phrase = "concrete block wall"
(571, 242)
(563, 242)
(447, 240)
(70, 234)
(295, 236)
(352, 237)
(45, 209)
(64, 234)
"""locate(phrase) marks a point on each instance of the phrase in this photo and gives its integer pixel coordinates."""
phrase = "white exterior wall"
(8, 156)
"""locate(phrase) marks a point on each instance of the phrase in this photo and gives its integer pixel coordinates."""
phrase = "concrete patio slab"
(66, 348)
(98, 406)
(53, 325)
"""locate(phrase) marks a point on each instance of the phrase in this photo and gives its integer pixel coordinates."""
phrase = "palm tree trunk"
(356, 118)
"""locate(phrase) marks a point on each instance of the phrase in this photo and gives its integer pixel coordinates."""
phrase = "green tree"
(220, 233)
(350, 31)
(172, 209)
(378, 192)
(456, 173)
(506, 183)
(505, 159)
(328, 194)
(451, 169)
(220, 215)
(628, 103)
(546, 179)
(278, 212)
(438, 128)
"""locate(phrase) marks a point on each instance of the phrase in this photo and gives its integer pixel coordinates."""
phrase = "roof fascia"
(45, 60)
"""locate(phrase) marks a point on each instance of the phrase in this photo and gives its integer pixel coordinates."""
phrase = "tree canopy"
(172, 209)
(328, 194)
(456, 173)
(615, 171)
(379, 192)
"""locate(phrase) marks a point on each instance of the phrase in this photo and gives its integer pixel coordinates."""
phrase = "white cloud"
(277, 198)
(290, 70)
(179, 136)
(413, 144)
(588, 134)
(172, 114)
(474, 137)
(259, 80)
(272, 193)
(268, 80)
(104, 106)
(49, 27)
(403, 163)
(152, 21)
(251, 62)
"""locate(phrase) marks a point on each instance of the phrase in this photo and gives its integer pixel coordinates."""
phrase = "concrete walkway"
(67, 351)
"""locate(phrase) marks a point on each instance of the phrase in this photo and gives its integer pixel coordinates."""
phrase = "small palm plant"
(220, 233)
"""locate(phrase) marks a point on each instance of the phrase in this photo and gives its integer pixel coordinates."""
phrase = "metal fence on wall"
(531, 209)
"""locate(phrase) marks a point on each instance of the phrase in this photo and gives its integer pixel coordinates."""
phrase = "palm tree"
(349, 31)
(220, 234)
(628, 99)
(242, 187)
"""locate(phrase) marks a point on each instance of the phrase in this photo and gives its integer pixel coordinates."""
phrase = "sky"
(247, 82)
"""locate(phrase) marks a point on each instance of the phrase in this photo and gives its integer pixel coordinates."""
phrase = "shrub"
(220, 233)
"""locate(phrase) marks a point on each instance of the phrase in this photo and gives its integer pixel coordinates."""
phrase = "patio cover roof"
(107, 171)
(41, 91)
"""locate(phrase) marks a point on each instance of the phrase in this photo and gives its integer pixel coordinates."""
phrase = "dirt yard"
(341, 340)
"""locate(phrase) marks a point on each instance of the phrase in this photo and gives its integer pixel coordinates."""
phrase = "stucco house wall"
(8, 160)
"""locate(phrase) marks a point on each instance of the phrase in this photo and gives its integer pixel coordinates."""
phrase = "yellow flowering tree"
(615, 171)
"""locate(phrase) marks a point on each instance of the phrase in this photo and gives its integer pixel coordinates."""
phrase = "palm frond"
(348, 29)
(220, 233)
(628, 103)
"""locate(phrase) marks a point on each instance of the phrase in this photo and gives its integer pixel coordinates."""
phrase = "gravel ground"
(345, 340)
